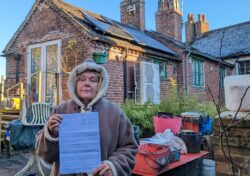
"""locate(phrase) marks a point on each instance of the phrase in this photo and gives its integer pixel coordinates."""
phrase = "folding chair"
(40, 114)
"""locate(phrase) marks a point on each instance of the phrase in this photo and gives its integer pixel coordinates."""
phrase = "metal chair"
(40, 114)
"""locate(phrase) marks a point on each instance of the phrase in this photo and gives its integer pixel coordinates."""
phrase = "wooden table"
(184, 160)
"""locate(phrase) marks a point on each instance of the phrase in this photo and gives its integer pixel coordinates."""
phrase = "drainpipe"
(125, 75)
(236, 66)
(186, 72)
(17, 58)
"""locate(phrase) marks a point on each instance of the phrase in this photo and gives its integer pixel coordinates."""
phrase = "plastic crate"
(151, 158)
(173, 123)
(207, 127)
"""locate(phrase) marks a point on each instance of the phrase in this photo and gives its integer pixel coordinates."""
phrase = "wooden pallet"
(7, 116)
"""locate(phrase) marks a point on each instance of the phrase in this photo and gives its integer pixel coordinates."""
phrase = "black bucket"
(192, 140)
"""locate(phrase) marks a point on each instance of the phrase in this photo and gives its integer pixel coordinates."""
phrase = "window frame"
(159, 62)
(222, 76)
(43, 68)
(198, 74)
(243, 62)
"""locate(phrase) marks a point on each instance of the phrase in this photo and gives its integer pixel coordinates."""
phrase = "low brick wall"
(239, 142)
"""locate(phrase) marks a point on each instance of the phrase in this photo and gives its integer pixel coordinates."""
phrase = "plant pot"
(100, 58)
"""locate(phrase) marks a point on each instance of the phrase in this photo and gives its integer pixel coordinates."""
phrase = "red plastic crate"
(161, 124)
(151, 158)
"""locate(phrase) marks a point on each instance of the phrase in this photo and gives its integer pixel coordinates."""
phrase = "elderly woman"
(87, 85)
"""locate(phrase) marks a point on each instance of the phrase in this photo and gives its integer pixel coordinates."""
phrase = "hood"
(88, 65)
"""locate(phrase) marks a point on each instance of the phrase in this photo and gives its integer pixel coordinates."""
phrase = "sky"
(219, 13)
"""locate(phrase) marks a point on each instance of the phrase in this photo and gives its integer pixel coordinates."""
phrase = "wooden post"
(2, 88)
(0, 131)
(21, 91)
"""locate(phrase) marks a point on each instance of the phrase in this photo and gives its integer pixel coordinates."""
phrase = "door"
(43, 72)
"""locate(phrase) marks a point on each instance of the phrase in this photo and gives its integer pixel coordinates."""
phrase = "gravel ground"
(10, 166)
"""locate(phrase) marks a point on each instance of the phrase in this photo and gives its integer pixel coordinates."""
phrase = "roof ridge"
(225, 28)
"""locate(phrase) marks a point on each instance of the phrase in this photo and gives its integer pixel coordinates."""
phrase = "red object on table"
(152, 157)
(191, 126)
(161, 124)
(183, 160)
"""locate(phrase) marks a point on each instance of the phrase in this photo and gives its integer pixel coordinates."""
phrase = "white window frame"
(43, 65)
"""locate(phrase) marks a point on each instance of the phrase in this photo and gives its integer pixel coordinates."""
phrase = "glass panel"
(202, 74)
(51, 73)
(222, 76)
(198, 72)
(162, 68)
(35, 69)
(193, 72)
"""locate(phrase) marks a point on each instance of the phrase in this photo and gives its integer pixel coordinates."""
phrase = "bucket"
(192, 121)
(208, 167)
(192, 141)
(151, 158)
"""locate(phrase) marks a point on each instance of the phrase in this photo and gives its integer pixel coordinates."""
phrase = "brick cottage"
(56, 36)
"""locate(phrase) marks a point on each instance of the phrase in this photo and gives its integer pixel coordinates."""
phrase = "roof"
(235, 41)
(185, 47)
(101, 28)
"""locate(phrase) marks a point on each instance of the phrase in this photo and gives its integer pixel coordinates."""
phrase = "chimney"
(201, 25)
(133, 13)
(190, 29)
(169, 19)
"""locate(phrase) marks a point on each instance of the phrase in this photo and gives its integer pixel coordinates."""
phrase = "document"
(79, 143)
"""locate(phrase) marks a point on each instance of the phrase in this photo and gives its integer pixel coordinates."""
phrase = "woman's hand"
(53, 123)
(103, 170)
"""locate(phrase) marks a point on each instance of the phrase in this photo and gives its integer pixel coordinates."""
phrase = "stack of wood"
(7, 116)
(238, 141)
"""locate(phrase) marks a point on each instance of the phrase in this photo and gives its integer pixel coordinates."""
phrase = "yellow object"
(15, 103)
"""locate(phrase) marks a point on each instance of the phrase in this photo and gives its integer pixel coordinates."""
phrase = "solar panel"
(121, 30)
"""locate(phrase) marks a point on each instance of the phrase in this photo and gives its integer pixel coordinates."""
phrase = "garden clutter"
(151, 158)
(171, 140)
(167, 121)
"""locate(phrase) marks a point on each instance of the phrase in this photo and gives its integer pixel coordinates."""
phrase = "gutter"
(186, 72)
(125, 74)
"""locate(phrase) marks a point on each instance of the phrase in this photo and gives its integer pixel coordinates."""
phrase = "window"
(222, 76)
(43, 59)
(162, 68)
(244, 67)
(197, 72)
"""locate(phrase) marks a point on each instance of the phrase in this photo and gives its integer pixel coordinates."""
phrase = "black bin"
(192, 140)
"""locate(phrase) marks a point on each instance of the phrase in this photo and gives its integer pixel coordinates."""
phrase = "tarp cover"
(23, 137)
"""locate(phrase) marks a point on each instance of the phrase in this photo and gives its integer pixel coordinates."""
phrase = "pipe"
(186, 72)
(17, 58)
(125, 74)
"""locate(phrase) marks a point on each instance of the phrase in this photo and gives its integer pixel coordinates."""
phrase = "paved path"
(10, 166)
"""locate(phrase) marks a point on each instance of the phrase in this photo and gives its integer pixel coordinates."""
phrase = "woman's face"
(87, 86)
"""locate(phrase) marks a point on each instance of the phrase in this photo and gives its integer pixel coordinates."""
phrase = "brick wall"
(211, 70)
(136, 17)
(211, 80)
(239, 143)
(47, 25)
(169, 23)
